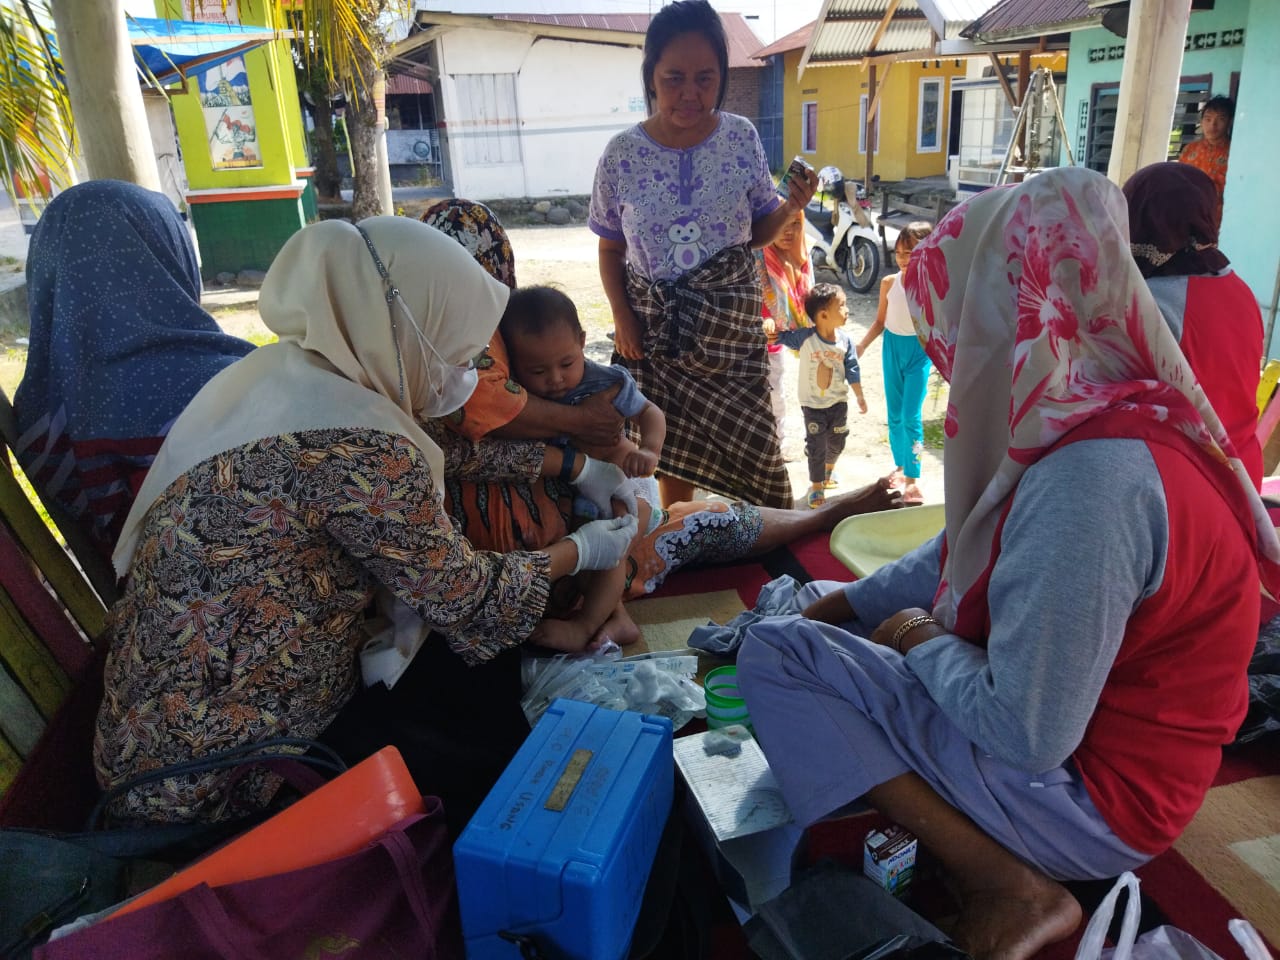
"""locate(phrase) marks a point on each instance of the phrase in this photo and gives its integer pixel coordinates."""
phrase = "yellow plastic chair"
(1267, 385)
(866, 542)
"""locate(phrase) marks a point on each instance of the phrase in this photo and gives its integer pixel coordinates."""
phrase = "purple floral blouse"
(677, 208)
(241, 618)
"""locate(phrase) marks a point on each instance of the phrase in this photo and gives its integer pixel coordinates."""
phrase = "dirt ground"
(566, 257)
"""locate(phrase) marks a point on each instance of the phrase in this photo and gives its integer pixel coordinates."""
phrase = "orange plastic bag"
(346, 814)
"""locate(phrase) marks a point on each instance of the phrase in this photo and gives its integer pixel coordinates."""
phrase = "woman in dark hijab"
(1173, 232)
(119, 346)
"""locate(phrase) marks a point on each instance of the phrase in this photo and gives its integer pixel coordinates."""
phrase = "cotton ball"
(642, 687)
(725, 742)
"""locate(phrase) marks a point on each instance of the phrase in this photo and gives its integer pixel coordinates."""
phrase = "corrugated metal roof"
(619, 22)
(795, 40)
(743, 42)
(844, 40)
(1015, 19)
(403, 83)
(845, 32)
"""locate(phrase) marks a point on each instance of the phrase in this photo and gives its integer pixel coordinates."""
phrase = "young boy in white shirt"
(828, 369)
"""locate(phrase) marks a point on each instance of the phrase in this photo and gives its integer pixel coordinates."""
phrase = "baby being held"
(545, 341)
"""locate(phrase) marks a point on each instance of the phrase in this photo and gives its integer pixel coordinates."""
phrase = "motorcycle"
(846, 240)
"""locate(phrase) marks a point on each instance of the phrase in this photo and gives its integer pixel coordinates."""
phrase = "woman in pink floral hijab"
(1088, 343)
(1042, 692)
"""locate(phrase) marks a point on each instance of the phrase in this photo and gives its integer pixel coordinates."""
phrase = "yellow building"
(909, 133)
(824, 109)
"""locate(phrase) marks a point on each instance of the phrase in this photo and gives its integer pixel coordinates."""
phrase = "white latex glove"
(625, 494)
(603, 543)
(598, 481)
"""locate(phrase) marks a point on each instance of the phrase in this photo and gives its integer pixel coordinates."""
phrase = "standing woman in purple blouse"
(678, 202)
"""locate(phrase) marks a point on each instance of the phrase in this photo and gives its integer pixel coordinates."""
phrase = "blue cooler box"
(560, 850)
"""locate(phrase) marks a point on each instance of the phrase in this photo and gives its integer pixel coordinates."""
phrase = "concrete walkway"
(13, 237)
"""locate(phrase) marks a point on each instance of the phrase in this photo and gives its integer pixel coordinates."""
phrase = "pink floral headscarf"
(1029, 303)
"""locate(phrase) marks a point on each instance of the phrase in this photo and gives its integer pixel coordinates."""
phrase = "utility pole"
(1148, 84)
(106, 99)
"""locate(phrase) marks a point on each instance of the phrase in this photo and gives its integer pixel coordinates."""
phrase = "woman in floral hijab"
(1048, 683)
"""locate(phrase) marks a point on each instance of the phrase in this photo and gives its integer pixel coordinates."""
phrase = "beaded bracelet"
(906, 626)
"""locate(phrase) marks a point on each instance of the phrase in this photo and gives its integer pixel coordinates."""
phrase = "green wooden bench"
(52, 625)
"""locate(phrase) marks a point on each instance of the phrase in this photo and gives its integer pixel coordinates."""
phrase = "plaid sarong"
(706, 368)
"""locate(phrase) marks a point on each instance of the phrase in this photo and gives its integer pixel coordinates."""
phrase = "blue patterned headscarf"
(119, 346)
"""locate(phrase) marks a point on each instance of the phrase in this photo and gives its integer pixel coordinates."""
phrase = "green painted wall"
(285, 85)
(243, 234)
(1219, 61)
(273, 144)
(310, 203)
(1250, 224)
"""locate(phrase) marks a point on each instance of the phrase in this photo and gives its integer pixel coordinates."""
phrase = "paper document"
(738, 795)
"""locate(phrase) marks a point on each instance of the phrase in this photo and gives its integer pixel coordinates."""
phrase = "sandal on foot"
(815, 499)
(829, 482)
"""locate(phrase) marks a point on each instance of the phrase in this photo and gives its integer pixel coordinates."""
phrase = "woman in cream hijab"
(295, 484)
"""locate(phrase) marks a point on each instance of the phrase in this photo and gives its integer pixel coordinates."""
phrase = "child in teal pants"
(906, 368)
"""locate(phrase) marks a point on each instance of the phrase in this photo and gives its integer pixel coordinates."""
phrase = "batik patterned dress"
(241, 619)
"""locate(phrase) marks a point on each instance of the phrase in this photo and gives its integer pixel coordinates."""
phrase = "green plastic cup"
(725, 705)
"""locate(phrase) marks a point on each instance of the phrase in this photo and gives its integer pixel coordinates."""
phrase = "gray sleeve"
(911, 581)
(629, 401)
(1084, 544)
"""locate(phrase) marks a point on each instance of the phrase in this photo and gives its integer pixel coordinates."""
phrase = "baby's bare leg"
(602, 595)
(619, 628)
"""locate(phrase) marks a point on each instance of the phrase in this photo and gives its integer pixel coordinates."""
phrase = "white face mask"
(451, 385)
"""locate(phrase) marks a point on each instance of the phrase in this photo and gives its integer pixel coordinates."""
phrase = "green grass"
(935, 411)
(13, 361)
(933, 434)
(30, 493)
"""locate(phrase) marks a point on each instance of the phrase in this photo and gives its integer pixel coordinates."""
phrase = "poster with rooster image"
(228, 116)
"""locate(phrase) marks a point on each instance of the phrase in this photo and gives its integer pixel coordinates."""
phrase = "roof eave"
(428, 20)
(1035, 30)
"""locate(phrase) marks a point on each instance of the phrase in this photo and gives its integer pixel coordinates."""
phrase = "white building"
(525, 103)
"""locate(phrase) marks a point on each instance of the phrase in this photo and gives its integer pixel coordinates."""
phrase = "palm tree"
(90, 75)
(35, 111)
(367, 83)
(318, 95)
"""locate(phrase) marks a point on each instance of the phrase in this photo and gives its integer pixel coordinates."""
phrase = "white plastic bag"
(1162, 943)
(388, 653)
(662, 684)
(1251, 942)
